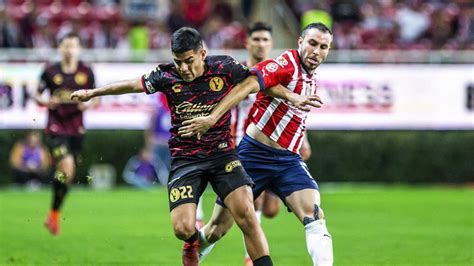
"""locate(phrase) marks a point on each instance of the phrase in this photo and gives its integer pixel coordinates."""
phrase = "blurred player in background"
(30, 161)
(269, 151)
(65, 127)
(259, 44)
(194, 84)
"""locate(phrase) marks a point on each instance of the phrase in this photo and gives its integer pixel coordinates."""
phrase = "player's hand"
(305, 102)
(81, 95)
(196, 126)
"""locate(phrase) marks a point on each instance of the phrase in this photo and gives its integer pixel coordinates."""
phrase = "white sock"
(199, 211)
(319, 243)
(259, 219)
(204, 246)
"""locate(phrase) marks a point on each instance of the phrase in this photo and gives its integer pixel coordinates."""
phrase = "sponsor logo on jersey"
(271, 67)
(177, 88)
(223, 145)
(216, 84)
(58, 79)
(80, 78)
(230, 166)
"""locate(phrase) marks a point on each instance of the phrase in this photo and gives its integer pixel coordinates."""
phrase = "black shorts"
(60, 146)
(189, 177)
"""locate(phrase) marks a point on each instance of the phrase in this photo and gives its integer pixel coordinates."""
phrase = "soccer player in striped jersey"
(269, 151)
(259, 44)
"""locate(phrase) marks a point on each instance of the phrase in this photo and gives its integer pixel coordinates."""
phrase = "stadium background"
(394, 140)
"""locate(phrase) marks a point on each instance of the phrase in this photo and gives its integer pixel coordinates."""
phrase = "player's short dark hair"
(317, 25)
(185, 39)
(69, 35)
(258, 26)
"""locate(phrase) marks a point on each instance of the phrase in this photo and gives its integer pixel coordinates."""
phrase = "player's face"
(190, 64)
(259, 45)
(70, 48)
(314, 48)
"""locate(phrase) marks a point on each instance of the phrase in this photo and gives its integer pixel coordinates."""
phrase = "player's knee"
(183, 230)
(271, 211)
(245, 217)
(316, 214)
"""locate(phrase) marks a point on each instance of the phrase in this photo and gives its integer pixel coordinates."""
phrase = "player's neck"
(69, 66)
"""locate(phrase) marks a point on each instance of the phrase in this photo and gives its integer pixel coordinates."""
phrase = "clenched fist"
(81, 95)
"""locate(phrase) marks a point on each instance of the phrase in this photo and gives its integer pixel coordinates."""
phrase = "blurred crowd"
(141, 24)
(393, 24)
(117, 24)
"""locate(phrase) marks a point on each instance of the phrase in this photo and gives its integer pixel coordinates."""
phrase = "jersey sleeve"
(154, 81)
(270, 73)
(238, 72)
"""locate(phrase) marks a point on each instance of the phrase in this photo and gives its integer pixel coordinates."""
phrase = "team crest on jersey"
(271, 67)
(177, 88)
(58, 79)
(281, 60)
(80, 78)
(216, 84)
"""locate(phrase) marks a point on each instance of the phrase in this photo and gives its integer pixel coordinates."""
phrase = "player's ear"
(300, 41)
(203, 53)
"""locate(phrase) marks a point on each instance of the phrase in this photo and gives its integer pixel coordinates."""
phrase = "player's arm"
(38, 97)
(302, 102)
(305, 149)
(116, 88)
(200, 125)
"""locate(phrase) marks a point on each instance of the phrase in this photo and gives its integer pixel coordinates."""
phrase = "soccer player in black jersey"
(65, 128)
(193, 85)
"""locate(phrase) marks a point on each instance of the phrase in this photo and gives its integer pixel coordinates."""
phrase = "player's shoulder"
(84, 66)
(288, 58)
(52, 67)
(221, 62)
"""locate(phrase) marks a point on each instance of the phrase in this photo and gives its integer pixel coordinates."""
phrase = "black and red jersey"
(66, 119)
(197, 98)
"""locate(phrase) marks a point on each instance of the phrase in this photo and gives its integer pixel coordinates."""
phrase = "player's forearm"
(117, 88)
(235, 96)
(39, 100)
(281, 92)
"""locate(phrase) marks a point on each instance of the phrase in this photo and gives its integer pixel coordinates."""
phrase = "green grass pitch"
(371, 225)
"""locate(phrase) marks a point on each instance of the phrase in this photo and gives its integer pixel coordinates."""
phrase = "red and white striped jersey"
(240, 115)
(279, 119)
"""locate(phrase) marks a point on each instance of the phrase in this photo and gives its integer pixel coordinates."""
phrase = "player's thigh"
(227, 175)
(240, 203)
(186, 183)
(302, 203)
(58, 147)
